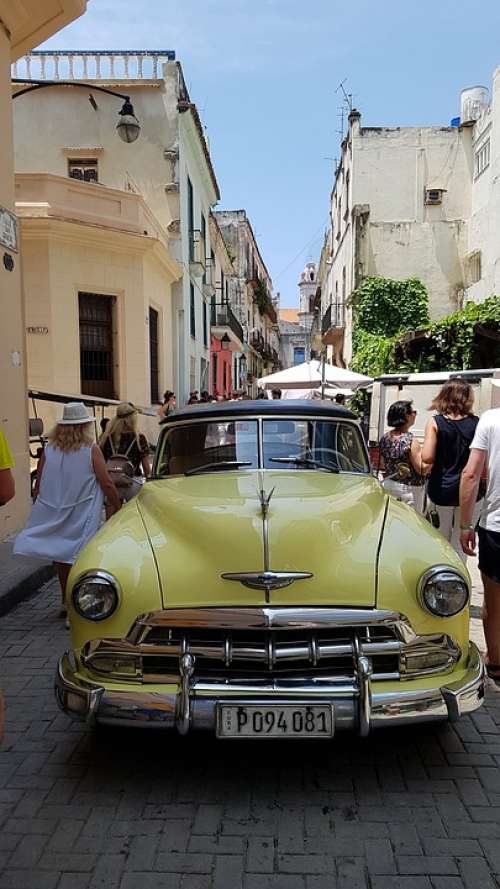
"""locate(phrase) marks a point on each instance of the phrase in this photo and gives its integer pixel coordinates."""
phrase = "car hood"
(203, 526)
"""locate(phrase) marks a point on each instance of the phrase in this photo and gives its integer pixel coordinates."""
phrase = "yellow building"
(22, 26)
(97, 290)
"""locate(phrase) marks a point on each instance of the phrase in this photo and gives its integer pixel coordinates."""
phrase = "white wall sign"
(8, 229)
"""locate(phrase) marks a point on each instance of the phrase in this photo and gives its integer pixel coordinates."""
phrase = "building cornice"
(31, 22)
(71, 232)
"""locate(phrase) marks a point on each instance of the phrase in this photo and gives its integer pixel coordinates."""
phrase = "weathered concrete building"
(399, 209)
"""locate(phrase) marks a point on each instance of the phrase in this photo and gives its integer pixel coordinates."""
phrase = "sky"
(265, 76)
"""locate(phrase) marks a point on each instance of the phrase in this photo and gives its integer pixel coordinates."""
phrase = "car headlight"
(443, 591)
(96, 595)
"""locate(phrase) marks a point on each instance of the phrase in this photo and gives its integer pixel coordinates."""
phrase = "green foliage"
(262, 299)
(384, 309)
(467, 339)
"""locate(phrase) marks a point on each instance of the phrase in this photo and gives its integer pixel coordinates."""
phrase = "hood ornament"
(267, 579)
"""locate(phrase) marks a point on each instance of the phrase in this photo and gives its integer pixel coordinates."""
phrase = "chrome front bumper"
(193, 706)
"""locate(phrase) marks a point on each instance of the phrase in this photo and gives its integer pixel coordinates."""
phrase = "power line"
(301, 251)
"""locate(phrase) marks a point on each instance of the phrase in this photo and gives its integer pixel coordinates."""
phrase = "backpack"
(120, 468)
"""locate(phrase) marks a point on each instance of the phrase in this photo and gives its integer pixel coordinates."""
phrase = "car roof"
(262, 407)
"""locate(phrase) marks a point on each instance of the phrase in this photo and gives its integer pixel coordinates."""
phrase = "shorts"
(489, 553)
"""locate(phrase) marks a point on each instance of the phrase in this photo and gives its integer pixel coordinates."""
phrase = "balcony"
(197, 259)
(224, 321)
(107, 65)
(333, 323)
(209, 279)
(257, 341)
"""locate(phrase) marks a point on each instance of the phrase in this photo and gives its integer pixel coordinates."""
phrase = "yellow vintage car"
(264, 585)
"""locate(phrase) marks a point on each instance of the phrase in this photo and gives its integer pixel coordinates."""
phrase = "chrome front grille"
(253, 652)
(239, 645)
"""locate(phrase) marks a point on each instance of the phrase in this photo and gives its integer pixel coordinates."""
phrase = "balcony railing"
(223, 316)
(120, 64)
(333, 318)
(257, 341)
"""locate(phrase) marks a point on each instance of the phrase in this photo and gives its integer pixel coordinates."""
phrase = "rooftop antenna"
(345, 107)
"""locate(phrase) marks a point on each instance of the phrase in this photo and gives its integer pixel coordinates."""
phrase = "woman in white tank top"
(69, 495)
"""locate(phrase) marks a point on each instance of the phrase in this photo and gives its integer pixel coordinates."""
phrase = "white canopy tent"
(312, 375)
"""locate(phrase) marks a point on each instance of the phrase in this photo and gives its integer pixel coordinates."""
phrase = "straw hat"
(75, 414)
(125, 409)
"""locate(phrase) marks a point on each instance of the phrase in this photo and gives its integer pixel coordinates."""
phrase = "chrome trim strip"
(249, 618)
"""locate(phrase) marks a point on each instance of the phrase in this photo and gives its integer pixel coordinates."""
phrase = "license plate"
(274, 721)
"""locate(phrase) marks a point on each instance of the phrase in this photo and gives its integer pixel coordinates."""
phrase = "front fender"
(122, 549)
(409, 547)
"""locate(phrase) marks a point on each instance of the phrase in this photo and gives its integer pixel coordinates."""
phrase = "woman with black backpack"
(448, 436)
(126, 451)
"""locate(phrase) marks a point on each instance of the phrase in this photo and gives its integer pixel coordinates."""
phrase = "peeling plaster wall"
(403, 236)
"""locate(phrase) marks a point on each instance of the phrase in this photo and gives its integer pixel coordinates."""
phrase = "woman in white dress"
(71, 484)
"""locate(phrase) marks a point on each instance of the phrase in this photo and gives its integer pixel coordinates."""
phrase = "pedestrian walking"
(485, 455)
(126, 451)
(445, 452)
(400, 456)
(69, 492)
(167, 405)
(276, 394)
(7, 485)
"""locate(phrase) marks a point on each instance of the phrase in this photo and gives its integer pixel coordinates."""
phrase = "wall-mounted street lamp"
(128, 126)
(225, 343)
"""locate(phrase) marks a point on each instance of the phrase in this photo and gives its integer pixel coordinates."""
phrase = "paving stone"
(475, 873)
(401, 882)
(150, 881)
(142, 809)
(228, 873)
(260, 855)
(426, 864)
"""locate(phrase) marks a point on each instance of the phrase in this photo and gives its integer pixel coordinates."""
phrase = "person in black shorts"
(485, 455)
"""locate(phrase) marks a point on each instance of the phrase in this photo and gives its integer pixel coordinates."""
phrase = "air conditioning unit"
(434, 195)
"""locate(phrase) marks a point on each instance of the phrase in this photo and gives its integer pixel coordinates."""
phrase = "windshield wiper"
(304, 461)
(222, 464)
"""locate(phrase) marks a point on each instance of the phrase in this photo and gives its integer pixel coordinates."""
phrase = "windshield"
(212, 445)
(230, 445)
(321, 444)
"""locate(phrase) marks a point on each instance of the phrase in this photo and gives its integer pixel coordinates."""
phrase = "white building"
(169, 167)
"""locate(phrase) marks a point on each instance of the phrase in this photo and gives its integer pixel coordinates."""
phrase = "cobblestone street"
(412, 809)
